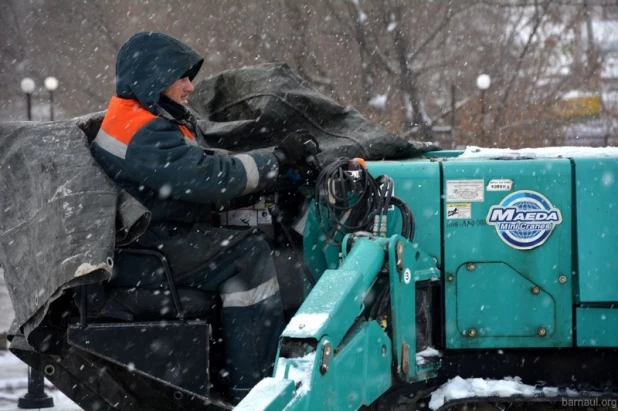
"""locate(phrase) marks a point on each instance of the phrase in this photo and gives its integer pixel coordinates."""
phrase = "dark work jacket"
(147, 146)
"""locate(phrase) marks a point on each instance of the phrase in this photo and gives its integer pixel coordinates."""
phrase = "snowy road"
(6, 309)
(13, 372)
(14, 384)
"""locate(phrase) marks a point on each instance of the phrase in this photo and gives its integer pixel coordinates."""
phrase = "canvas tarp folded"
(61, 215)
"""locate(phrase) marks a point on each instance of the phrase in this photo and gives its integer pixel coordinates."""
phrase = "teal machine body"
(526, 246)
(523, 249)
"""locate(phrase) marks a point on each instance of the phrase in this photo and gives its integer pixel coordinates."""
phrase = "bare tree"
(397, 61)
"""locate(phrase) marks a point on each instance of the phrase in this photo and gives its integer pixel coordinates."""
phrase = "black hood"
(149, 62)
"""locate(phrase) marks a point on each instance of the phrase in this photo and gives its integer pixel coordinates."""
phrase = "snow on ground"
(6, 308)
(14, 384)
(542, 152)
(458, 388)
(8, 359)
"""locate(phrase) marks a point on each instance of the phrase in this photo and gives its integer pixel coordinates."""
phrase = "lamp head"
(51, 83)
(483, 82)
(27, 85)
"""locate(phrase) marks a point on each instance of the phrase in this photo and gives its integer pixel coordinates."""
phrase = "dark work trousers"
(240, 267)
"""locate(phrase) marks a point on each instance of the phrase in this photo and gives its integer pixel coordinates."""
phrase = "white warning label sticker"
(465, 190)
(458, 211)
(500, 184)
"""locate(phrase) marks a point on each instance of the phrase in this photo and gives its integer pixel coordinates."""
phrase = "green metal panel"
(596, 189)
(318, 254)
(417, 183)
(367, 364)
(443, 153)
(471, 189)
(482, 290)
(357, 374)
(597, 327)
(337, 299)
(406, 267)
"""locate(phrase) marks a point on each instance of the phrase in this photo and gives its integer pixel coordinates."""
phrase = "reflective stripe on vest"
(124, 118)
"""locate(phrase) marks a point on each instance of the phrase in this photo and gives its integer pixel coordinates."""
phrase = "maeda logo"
(524, 219)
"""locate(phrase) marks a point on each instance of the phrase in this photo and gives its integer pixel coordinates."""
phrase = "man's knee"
(256, 245)
(253, 257)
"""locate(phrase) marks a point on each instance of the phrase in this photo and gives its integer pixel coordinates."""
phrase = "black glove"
(295, 149)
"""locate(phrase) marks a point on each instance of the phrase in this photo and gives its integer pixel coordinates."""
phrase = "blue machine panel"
(597, 327)
(507, 252)
(596, 189)
(481, 311)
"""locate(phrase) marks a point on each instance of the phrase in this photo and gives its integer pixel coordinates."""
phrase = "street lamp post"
(483, 81)
(51, 84)
(27, 86)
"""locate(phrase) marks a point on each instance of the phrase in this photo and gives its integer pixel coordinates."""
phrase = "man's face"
(179, 91)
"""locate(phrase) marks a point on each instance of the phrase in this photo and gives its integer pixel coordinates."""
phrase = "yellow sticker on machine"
(458, 211)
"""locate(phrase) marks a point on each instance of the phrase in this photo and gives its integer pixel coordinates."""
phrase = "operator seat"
(161, 333)
(129, 297)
